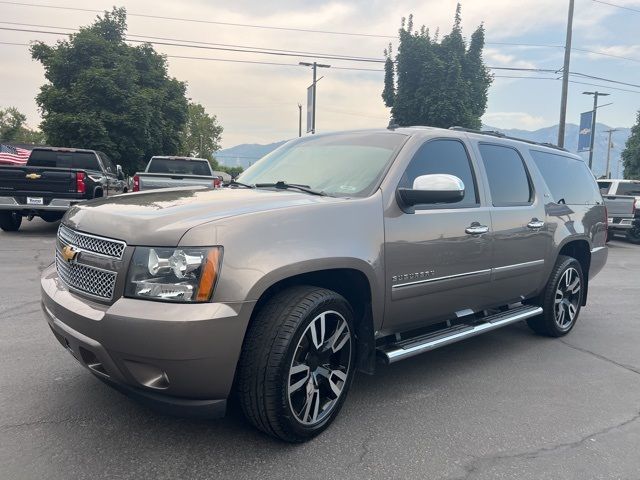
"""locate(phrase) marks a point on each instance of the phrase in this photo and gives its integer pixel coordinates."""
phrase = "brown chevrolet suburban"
(331, 253)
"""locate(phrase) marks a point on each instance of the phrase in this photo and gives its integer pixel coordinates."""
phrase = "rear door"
(435, 266)
(521, 239)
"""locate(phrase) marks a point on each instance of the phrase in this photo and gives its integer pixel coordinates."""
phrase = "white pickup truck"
(169, 172)
(622, 198)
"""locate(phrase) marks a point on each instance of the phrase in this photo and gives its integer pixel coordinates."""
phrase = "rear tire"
(561, 299)
(297, 363)
(10, 221)
(633, 234)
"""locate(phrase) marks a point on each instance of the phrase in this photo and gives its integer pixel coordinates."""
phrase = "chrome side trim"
(394, 353)
(430, 280)
(597, 249)
(518, 265)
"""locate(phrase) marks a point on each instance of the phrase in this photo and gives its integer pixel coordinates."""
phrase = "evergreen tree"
(434, 82)
(631, 153)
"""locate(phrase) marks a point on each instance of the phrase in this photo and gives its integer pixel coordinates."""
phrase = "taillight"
(216, 183)
(606, 216)
(136, 183)
(80, 186)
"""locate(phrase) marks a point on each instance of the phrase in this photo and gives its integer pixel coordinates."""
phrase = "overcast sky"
(257, 103)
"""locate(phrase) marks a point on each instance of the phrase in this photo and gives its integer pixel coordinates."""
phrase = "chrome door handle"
(476, 229)
(535, 224)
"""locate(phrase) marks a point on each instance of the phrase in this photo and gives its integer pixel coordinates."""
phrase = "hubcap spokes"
(319, 368)
(567, 299)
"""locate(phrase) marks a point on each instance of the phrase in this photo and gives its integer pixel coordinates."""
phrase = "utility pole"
(595, 94)
(565, 77)
(315, 67)
(607, 173)
(299, 119)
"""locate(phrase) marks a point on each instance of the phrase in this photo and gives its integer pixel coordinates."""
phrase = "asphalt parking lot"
(508, 404)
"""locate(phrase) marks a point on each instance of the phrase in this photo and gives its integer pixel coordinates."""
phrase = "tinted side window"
(568, 179)
(107, 163)
(443, 156)
(508, 179)
(604, 187)
(631, 188)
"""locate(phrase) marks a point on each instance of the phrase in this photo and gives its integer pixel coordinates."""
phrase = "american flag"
(13, 155)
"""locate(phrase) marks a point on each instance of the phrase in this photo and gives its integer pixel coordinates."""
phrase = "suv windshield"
(344, 165)
(179, 166)
(62, 159)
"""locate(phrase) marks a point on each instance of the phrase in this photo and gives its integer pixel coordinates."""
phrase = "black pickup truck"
(53, 180)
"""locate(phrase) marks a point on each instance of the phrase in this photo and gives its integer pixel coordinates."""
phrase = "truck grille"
(90, 280)
(91, 243)
(82, 277)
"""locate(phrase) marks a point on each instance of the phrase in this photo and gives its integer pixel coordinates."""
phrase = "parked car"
(53, 180)
(167, 172)
(329, 253)
(622, 198)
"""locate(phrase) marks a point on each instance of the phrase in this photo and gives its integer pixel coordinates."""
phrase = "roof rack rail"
(495, 133)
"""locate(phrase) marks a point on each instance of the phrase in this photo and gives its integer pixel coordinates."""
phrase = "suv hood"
(162, 217)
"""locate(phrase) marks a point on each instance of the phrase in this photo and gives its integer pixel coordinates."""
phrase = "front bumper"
(55, 205)
(180, 357)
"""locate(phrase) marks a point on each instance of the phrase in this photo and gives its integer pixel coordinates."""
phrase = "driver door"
(437, 265)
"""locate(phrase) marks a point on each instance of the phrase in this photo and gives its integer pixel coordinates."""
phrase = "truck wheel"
(297, 363)
(10, 221)
(561, 299)
(633, 235)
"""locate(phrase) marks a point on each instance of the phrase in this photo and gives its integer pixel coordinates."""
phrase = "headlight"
(182, 274)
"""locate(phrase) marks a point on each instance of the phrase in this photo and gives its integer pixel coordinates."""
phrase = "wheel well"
(354, 286)
(97, 193)
(579, 249)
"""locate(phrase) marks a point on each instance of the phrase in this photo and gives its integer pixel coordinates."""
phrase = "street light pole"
(565, 77)
(607, 173)
(315, 67)
(595, 94)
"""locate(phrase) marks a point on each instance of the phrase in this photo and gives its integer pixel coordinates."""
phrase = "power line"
(291, 54)
(618, 6)
(197, 41)
(210, 22)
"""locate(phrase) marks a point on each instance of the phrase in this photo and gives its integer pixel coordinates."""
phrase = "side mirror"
(119, 172)
(430, 189)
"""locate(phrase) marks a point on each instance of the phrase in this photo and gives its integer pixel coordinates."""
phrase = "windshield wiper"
(238, 184)
(285, 186)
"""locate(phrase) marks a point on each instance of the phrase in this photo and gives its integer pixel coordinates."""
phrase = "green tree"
(631, 153)
(103, 94)
(439, 83)
(202, 134)
(13, 128)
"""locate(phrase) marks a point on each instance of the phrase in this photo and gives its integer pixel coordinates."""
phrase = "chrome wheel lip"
(315, 378)
(567, 299)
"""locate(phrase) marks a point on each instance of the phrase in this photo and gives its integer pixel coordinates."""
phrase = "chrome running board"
(424, 343)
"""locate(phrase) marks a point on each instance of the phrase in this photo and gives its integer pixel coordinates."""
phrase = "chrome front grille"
(91, 243)
(90, 280)
(89, 269)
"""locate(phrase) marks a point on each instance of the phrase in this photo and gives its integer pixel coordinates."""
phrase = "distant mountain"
(247, 154)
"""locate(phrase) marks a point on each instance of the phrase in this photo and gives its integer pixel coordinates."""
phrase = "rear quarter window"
(569, 179)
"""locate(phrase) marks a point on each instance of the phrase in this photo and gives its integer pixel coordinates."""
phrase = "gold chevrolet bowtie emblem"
(33, 176)
(69, 253)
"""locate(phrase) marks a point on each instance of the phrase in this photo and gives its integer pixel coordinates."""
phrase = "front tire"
(297, 363)
(10, 221)
(561, 299)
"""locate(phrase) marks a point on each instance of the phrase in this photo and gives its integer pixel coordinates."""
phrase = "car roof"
(176, 157)
(63, 149)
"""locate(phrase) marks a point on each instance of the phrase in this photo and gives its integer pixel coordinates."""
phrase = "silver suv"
(330, 254)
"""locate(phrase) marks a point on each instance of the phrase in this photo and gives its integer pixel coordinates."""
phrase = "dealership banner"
(584, 137)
